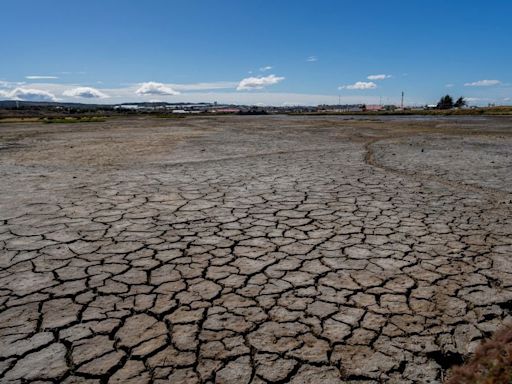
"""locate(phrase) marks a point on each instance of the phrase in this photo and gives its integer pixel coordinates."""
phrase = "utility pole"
(402, 103)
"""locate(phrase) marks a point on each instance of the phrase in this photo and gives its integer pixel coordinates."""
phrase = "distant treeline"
(446, 102)
(497, 111)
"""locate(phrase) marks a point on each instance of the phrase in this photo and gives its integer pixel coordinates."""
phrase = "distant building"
(374, 107)
(224, 110)
(127, 106)
(341, 108)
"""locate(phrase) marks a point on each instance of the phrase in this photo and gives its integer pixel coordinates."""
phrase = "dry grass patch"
(491, 363)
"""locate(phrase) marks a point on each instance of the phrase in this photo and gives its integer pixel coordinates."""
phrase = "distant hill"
(55, 104)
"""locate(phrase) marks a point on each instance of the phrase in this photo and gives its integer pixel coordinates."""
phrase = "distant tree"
(461, 102)
(446, 102)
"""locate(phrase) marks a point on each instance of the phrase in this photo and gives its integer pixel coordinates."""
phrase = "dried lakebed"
(252, 249)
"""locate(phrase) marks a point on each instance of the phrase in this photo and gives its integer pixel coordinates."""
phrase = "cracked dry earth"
(251, 249)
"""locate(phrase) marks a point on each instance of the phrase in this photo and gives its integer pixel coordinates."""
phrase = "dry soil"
(252, 249)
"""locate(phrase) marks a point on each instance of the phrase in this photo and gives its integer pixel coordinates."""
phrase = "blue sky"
(267, 52)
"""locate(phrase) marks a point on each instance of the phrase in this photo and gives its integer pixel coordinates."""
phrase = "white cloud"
(267, 68)
(126, 94)
(475, 100)
(153, 88)
(483, 83)
(312, 59)
(29, 94)
(85, 92)
(258, 82)
(450, 85)
(481, 100)
(221, 92)
(11, 84)
(360, 85)
(37, 77)
(378, 77)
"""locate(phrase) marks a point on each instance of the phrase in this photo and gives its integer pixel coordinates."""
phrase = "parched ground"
(252, 249)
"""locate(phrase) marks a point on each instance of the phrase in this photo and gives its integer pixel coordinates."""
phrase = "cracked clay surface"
(252, 249)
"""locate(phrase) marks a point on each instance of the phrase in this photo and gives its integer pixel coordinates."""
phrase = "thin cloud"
(267, 68)
(29, 94)
(275, 98)
(261, 82)
(153, 88)
(361, 85)
(38, 77)
(203, 86)
(483, 83)
(479, 100)
(11, 84)
(450, 85)
(86, 93)
(312, 59)
(378, 77)
(126, 94)
(249, 97)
